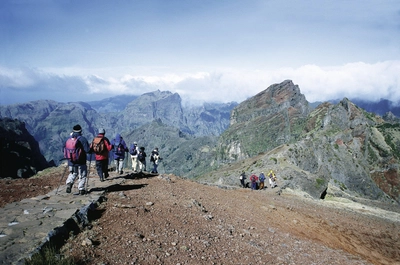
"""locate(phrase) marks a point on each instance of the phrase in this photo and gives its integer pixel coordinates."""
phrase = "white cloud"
(352, 80)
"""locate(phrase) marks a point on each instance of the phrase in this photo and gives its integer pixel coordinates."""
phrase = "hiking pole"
(88, 174)
(62, 176)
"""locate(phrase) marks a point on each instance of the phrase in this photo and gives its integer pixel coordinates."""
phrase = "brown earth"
(169, 220)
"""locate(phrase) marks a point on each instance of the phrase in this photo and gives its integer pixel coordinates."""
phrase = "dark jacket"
(115, 142)
(84, 145)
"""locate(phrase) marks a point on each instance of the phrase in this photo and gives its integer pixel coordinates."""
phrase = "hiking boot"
(69, 187)
(121, 172)
(82, 192)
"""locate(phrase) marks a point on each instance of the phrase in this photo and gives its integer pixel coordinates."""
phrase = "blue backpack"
(262, 177)
(119, 148)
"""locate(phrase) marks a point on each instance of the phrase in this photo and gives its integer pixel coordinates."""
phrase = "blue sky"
(205, 50)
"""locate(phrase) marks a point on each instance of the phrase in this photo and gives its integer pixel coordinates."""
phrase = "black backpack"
(141, 156)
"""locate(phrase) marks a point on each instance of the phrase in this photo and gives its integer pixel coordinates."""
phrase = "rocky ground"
(168, 220)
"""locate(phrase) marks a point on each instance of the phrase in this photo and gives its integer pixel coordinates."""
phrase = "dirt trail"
(168, 220)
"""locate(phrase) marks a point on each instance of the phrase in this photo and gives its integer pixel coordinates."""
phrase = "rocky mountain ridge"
(333, 150)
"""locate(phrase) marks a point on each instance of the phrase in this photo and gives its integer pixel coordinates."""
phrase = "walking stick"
(62, 176)
(88, 174)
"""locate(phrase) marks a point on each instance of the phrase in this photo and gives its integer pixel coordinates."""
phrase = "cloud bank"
(353, 80)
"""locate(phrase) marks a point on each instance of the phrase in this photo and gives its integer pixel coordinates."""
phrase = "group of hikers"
(257, 182)
(77, 147)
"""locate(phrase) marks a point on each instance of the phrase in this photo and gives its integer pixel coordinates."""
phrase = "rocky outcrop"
(272, 117)
(20, 154)
(337, 150)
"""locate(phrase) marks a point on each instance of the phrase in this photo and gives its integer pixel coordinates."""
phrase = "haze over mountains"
(335, 149)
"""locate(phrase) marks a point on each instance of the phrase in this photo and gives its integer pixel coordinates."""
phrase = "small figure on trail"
(272, 179)
(154, 158)
(134, 151)
(119, 147)
(142, 159)
(75, 150)
(242, 178)
(262, 179)
(253, 179)
(101, 147)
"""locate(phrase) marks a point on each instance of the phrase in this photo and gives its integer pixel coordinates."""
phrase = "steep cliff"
(20, 155)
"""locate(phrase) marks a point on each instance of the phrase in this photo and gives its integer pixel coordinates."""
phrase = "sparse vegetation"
(49, 255)
(320, 182)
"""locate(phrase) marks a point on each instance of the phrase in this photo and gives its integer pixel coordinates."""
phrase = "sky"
(204, 50)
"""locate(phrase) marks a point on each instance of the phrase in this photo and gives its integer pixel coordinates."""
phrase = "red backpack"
(72, 150)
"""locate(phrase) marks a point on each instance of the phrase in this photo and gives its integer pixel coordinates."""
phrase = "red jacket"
(253, 178)
(104, 155)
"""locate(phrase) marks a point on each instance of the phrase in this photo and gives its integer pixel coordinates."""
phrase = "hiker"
(272, 179)
(262, 179)
(101, 147)
(155, 158)
(242, 178)
(119, 148)
(142, 159)
(253, 179)
(75, 150)
(134, 151)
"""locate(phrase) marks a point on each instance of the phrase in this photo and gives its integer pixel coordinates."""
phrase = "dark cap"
(77, 128)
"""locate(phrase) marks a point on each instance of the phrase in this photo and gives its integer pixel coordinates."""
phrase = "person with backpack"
(262, 179)
(75, 150)
(253, 179)
(155, 158)
(134, 151)
(142, 159)
(242, 178)
(119, 148)
(101, 147)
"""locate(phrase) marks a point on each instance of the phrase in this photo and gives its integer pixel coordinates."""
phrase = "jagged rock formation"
(208, 119)
(335, 150)
(162, 105)
(270, 118)
(113, 104)
(20, 155)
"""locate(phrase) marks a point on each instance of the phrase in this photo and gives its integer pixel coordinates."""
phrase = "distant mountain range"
(51, 122)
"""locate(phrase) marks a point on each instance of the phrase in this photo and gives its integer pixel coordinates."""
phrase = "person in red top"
(253, 179)
(101, 147)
